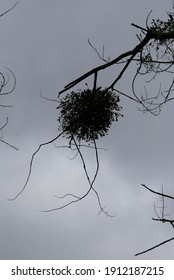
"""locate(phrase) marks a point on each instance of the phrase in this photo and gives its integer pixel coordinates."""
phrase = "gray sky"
(45, 43)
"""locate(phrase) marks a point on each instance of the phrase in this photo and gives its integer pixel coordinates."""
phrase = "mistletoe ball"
(88, 114)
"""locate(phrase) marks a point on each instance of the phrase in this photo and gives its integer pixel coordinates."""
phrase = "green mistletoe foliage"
(88, 114)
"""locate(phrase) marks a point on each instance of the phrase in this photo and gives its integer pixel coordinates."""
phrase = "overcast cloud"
(45, 44)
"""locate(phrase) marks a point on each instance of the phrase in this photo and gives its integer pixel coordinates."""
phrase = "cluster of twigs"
(76, 198)
(4, 81)
(161, 217)
(91, 182)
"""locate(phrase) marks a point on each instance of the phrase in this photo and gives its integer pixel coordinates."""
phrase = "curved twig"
(68, 194)
(1, 15)
(91, 183)
(77, 197)
(31, 163)
(4, 125)
(5, 83)
(101, 57)
(81, 145)
(148, 19)
(48, 99)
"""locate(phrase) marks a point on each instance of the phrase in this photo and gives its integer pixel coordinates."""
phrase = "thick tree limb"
(131, 53)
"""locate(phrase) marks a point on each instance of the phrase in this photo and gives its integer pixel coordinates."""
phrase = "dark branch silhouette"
(155, 192)
(154, 247)
(5, 80)
(161, 217)
(1, 15)
(157, 36)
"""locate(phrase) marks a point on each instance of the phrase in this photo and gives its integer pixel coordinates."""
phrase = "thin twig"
(126, 95)
(10, 145)
(31, 163)
(68, 194)
(4, 125)
(5, 83)
(2, 140)
(1, 15)
(156, 246)
(161, 194)
(139, 27)
(48, 99)
(101, 57)
(81, 145)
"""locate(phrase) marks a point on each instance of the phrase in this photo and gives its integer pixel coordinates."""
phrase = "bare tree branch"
(164, 220)
(131, 53)
(160, 217)
(10, 145)
(154, 247)
(1, 15)
(155, 49)
(161, 194)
